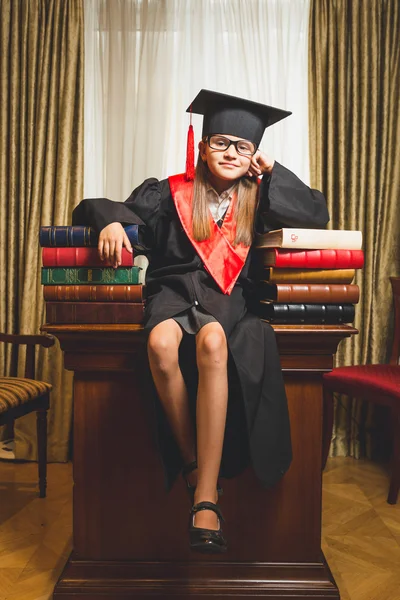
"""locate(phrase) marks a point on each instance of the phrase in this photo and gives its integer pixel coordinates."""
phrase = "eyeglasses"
(222, 143)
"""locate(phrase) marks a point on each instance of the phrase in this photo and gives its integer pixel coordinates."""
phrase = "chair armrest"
(44, 340)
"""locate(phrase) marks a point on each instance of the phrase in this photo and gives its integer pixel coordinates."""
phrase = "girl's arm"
(108, 218)
(285, 201)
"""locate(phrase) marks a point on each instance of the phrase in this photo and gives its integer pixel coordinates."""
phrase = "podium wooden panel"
(130, 537)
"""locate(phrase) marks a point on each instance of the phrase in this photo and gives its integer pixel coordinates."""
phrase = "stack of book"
(79, 287)
(308, 275)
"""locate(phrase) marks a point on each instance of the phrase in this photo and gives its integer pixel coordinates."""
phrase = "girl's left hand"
(260, 164)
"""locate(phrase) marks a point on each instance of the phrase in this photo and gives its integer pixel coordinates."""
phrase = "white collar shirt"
(218, 204)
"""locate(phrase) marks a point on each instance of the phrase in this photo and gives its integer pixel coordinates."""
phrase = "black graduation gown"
(257, 427)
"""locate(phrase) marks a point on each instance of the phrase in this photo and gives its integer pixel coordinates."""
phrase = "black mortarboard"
(234, 116)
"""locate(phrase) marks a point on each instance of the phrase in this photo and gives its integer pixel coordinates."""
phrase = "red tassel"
(190, 171)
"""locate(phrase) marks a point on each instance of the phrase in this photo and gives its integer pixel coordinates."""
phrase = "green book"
(73, 275)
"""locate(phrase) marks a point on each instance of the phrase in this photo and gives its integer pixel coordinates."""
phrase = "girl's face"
(225, 165)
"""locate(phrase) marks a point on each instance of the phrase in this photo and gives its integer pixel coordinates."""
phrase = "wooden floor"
(361, 533)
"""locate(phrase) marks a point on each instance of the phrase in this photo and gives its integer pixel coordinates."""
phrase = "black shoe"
(189, 468)
(206, 540)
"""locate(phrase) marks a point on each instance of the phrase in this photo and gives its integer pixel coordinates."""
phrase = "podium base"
(99, 580)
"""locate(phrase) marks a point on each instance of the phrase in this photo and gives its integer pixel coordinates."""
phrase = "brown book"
(273, 275)
(94, 312)
(312, 293)
(93, 293)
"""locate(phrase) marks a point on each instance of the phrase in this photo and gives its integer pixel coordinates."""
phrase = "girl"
(197, 236)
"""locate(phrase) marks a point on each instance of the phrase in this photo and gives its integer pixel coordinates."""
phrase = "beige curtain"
(354, 110)
(41, 178)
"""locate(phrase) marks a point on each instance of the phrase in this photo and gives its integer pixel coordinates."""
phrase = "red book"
(312, 259)
(94, 312)
(80, 257)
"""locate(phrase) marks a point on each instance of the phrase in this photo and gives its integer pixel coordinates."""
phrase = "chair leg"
(327, 424)
(41, 426)
(395, 478)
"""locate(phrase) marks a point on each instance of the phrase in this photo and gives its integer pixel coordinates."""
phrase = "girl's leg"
(212, 401)
(162, 347)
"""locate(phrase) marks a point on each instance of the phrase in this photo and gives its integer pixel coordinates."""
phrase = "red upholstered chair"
(374, 383)
(22, 395)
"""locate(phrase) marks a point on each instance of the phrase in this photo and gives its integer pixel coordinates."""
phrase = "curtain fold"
(145, 60)
(354, 113)
(41, 179)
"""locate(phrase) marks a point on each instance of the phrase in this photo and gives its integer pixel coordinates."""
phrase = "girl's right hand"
(111, 241)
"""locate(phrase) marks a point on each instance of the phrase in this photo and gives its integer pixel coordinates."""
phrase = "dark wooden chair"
(374, 383)
(22, 395)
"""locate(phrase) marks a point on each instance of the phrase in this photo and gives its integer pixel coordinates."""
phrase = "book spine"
(320, 239)
(313, 293)
(317, 259)
(60, 235)
(307, 313)
(344, 276)
(85, 275)
(94, 312)
(77, 235)
(80, 257)
(94, 293)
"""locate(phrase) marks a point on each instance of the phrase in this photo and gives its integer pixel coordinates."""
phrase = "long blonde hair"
(245, 209)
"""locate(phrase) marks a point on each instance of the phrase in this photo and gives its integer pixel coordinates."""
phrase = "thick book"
(312, 259)
(78, 235)
(310, 239)
(94, 312)
(94, 293)
(85, 275)
(311, 293)
(330, 276)
(80, 257)
(312, 314)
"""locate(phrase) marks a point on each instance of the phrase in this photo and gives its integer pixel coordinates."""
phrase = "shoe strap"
(208, 506)
(189, 468)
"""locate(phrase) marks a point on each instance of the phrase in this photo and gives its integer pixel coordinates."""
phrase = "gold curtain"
(41, 179)
(354, 108)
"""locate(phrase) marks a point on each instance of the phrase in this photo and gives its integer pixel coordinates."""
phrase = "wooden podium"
(130, 537)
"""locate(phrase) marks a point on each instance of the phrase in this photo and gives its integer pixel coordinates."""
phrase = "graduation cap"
(230, 115)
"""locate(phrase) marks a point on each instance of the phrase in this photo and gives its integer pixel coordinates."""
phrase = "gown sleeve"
(141, 208)
(285, 201)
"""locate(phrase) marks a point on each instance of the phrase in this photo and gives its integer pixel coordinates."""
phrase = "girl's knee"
(162, 350)
(212, 347)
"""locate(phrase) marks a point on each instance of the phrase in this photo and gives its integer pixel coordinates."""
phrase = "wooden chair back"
(30, 341)
(395, 354)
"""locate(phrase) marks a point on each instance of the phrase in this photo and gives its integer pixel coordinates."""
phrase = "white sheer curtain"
(145, 60)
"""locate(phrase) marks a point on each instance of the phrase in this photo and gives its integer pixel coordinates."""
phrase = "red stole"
(222, 260)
